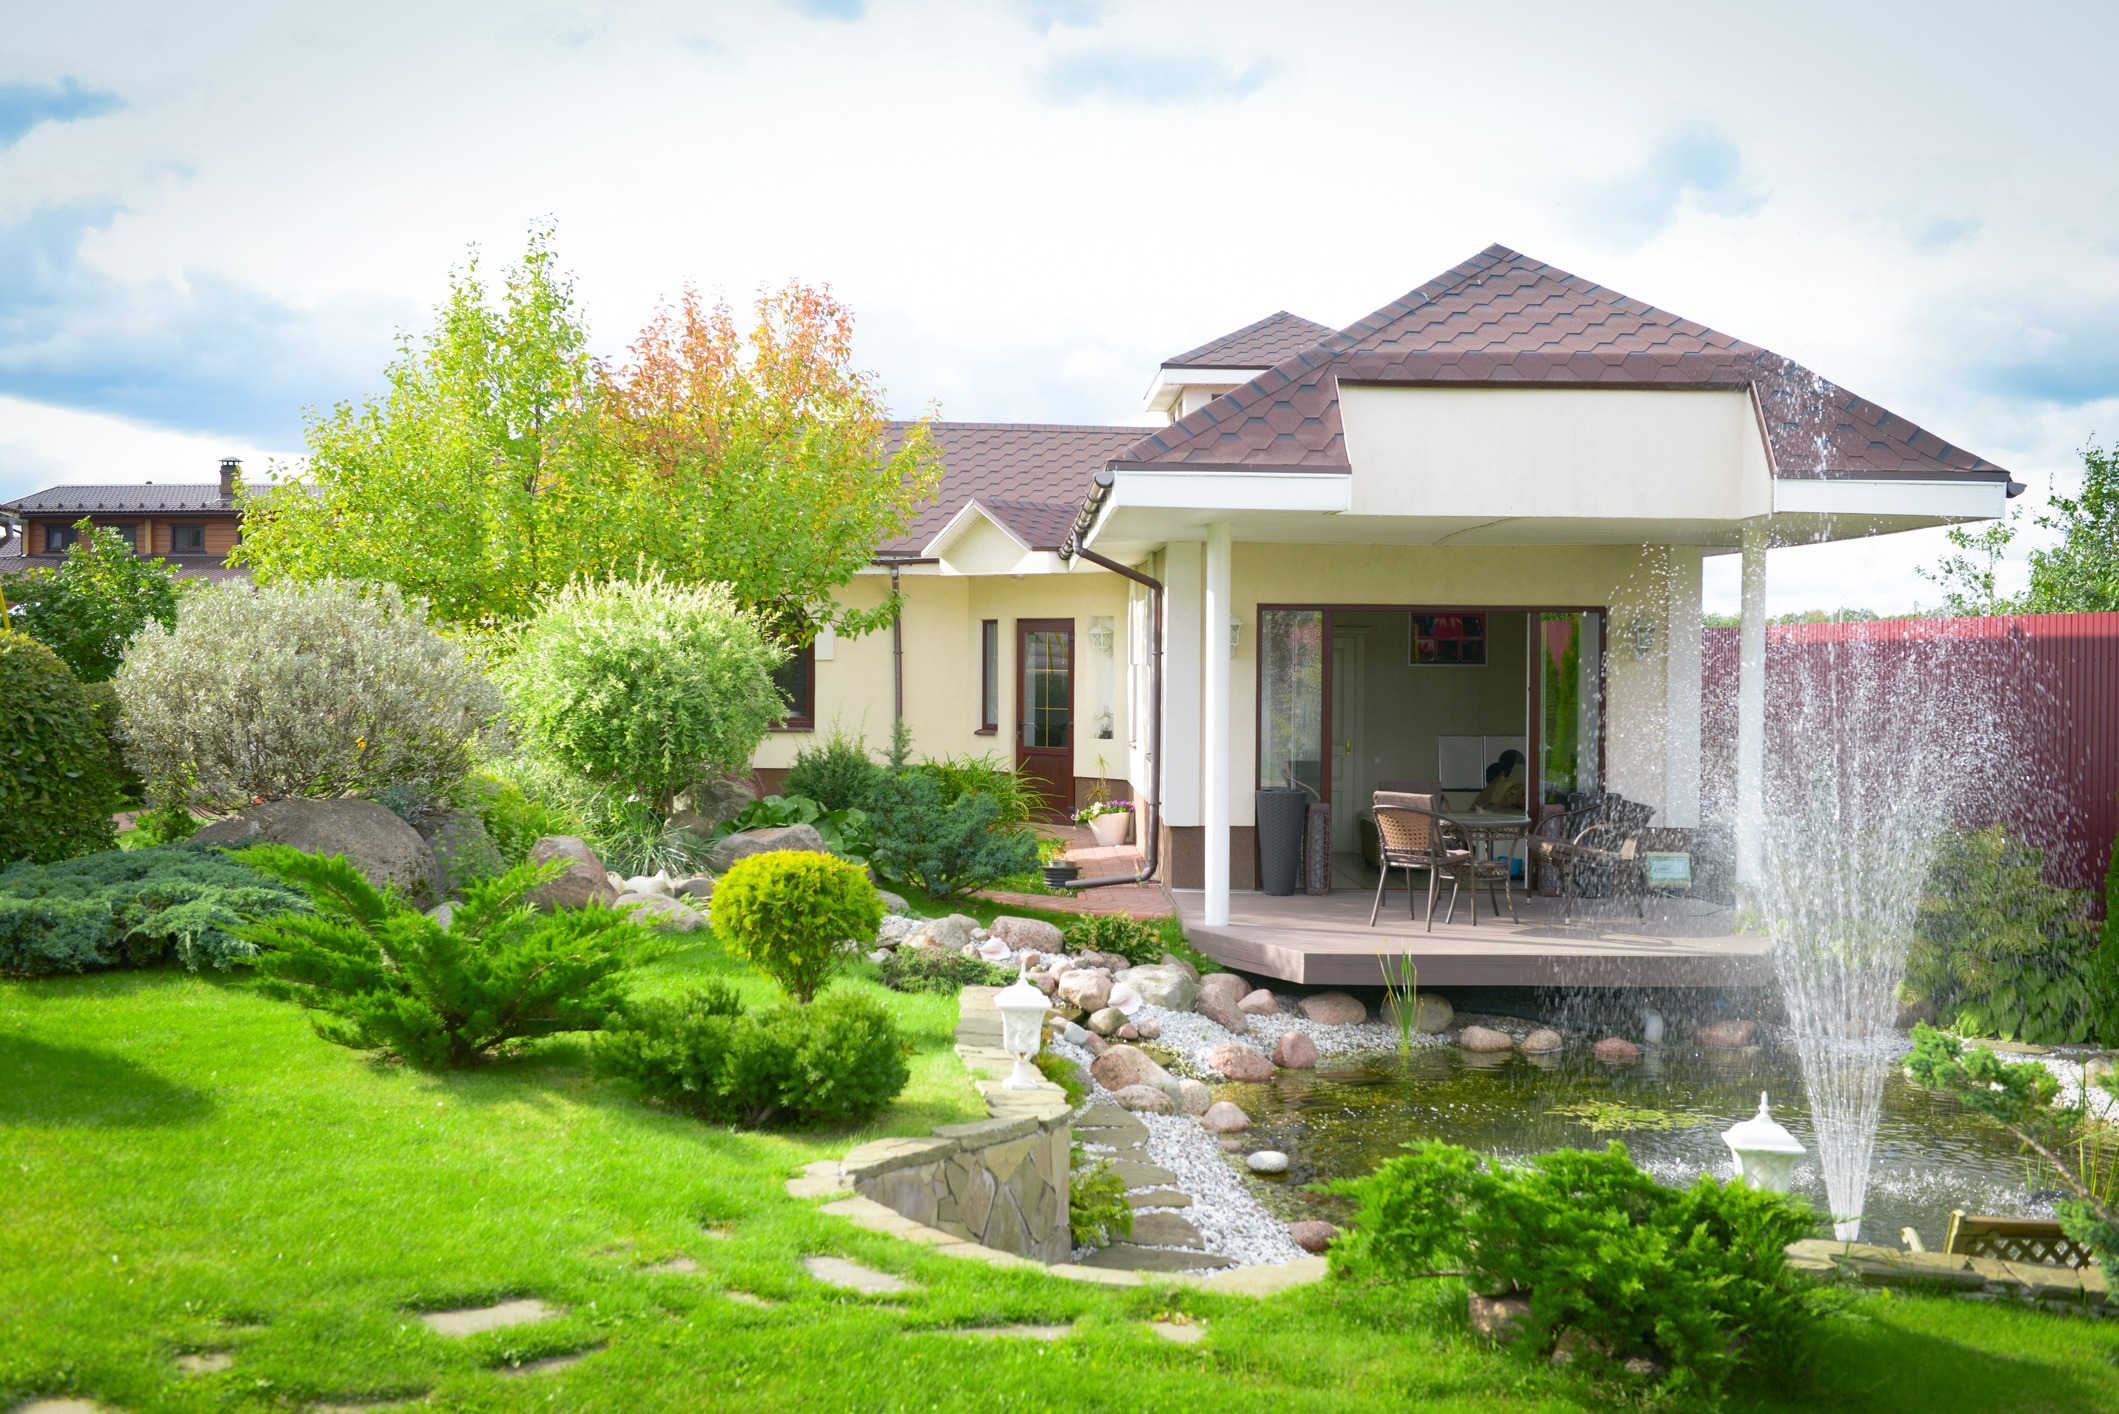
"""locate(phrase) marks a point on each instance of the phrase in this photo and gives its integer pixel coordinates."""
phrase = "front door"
(1044, 709)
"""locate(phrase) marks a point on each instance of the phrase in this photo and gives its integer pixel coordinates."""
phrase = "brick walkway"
(1140, 900)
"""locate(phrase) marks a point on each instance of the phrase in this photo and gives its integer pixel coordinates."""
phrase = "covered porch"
(1326, 941)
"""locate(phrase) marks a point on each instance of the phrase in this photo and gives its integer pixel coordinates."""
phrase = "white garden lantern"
(1022, 1008)
(1766, 1154)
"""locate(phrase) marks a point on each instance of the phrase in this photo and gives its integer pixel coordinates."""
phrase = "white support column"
(1751, 710)
(1681, 690)
(1214, 723)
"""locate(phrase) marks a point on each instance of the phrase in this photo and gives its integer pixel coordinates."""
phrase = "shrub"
(946, 848)
(839, 775)
(299, 689)
(57, 790)
(937, 970)
(514, 819)
(1697, 1276)
(95, 602)
(1139, 943)
(837, 1059)
(132, 906)
(1097, 1211)
(1998, 950)
(791, 914)
(393, 980)
(638, 686)
(846, 832)
(1020, 802)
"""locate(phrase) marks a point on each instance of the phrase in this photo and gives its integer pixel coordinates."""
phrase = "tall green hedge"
(57, 788)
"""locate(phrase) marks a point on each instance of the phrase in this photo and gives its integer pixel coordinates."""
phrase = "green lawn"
(189, 1169)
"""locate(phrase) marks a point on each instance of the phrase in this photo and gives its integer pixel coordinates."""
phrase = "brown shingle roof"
(1504, 318)
(1030, 476)
(1280, 335)
(102, 500)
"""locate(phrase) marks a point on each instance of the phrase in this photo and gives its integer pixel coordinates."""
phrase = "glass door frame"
(1534, 702)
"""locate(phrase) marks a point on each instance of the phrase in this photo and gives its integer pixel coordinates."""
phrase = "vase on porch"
(1283, 812)
(1111, 829)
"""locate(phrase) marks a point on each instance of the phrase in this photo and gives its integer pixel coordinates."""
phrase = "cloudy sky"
(213, 216)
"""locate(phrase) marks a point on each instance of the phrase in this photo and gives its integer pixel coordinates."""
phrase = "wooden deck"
(1326, 940)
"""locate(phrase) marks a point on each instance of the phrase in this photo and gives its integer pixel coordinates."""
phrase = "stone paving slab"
(548, 1364)
(1135, 1175)
(1100, 1120)
(1157, 1227)
(1182, 1334)
(470, 1320)
(675, 1266)
(1260, 1281)
(1127, 1257)
(206, 1362)
(58, 1406)
(1159, 1198)
(1018, 1332)
(837, 1271)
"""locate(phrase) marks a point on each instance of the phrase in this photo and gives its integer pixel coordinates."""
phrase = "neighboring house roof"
(1028, 476)
(1503, 319)
(1280, 335)
(174, 499)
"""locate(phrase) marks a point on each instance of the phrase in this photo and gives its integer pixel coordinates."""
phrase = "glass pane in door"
(1571, 659)
(1048, 697)
(1291, 697)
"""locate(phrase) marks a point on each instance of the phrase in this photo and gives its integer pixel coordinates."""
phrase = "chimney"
(231, 474)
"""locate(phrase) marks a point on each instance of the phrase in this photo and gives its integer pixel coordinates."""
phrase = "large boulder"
(1616, 1050)
(1542, 1041)
(1144, 1098)
(1236, 1061)
(584, 882)
(1258, 1003)
(1727, 1035)
(1485, 1040)
(765, 840)
(951, 934)
(1034, 934)
(1170, 960)
(1220, 1008)
(1089, 990)
(1295, 1051)
(1122, 1065)
(387, 852)
(1313, 1236)
(703, 808)
(1192, 1097)
(1162, 986)
(463, 852)
(1228, 983)
(1221, 1117)
(1333, 1009)
(1107, 1022)
(1431, 1017)
(661, 911)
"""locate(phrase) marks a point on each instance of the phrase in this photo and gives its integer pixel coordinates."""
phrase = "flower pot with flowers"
(1108, 820)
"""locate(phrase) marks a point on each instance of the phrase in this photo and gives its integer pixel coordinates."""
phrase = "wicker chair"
(1406, 834)
(1454, 857)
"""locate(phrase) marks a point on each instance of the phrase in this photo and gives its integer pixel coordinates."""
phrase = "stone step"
(1143, 1175)
(1157, 1227)
(1159, 1198)
(1102, 1121)
(1125, 1257)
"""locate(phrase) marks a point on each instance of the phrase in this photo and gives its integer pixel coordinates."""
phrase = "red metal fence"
(2045, 685)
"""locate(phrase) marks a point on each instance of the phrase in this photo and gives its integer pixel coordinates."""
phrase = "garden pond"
(1669, 1109)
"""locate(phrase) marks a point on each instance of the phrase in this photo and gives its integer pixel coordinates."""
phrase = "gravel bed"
(1230, 1218)
(1192, 1035)
(2068, 1071)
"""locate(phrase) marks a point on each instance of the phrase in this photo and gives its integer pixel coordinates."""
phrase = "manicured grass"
(188, 1169)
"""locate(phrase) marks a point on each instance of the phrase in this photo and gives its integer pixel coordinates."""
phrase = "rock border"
(978, 1045)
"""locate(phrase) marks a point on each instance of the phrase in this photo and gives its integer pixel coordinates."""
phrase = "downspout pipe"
(897, 653)
(1152, 827)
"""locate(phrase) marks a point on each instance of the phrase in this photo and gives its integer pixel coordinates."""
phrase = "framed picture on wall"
(1448, 640)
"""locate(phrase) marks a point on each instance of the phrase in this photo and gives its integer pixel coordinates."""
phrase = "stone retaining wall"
(1002, 1182)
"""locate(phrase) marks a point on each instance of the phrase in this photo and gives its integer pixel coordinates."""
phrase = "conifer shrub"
(390, 979)
(57, 786)
(945, 846)
(793, 913)
(133, 906)
(1137, 942)
(838, 775)
(938, 970)
(839, 1058)
(265, 692)
(1693, 1277)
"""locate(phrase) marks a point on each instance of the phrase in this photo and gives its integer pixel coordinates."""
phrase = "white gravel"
(1192, 1035)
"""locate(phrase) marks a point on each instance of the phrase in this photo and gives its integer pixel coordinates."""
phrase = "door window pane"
(1291, 697)
(1570, 652)
(1047, 695)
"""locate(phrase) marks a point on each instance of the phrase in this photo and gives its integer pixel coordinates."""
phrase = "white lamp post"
(1766, 1154)
(1022, 1008)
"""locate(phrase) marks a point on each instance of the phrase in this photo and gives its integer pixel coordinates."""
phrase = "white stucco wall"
(1542, 453)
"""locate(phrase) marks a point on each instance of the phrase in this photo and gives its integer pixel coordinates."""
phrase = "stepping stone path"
(470, 1320)
(549, 1363)
(1163, 1240)
(747, 1298)
(1182, 1332)
(1017, 1332)
(206, 1362)
(675, 1266)
(837, 1271)
(58, 1406)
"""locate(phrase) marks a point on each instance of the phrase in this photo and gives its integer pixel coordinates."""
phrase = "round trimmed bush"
(57, 789)
(791, 913)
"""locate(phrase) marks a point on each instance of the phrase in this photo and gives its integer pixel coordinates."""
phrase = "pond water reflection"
(1353, 1112)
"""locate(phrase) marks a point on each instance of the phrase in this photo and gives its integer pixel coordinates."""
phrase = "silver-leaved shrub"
(289, 689)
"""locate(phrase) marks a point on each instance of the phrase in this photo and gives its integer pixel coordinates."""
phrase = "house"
(1470, 524)
(193, 526)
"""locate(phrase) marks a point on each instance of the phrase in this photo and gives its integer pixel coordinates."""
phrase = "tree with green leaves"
(2080, 575)
(505, 461)
(92, 604)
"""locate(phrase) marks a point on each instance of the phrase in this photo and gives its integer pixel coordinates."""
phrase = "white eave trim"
(1896, 496)
(1170, 382)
